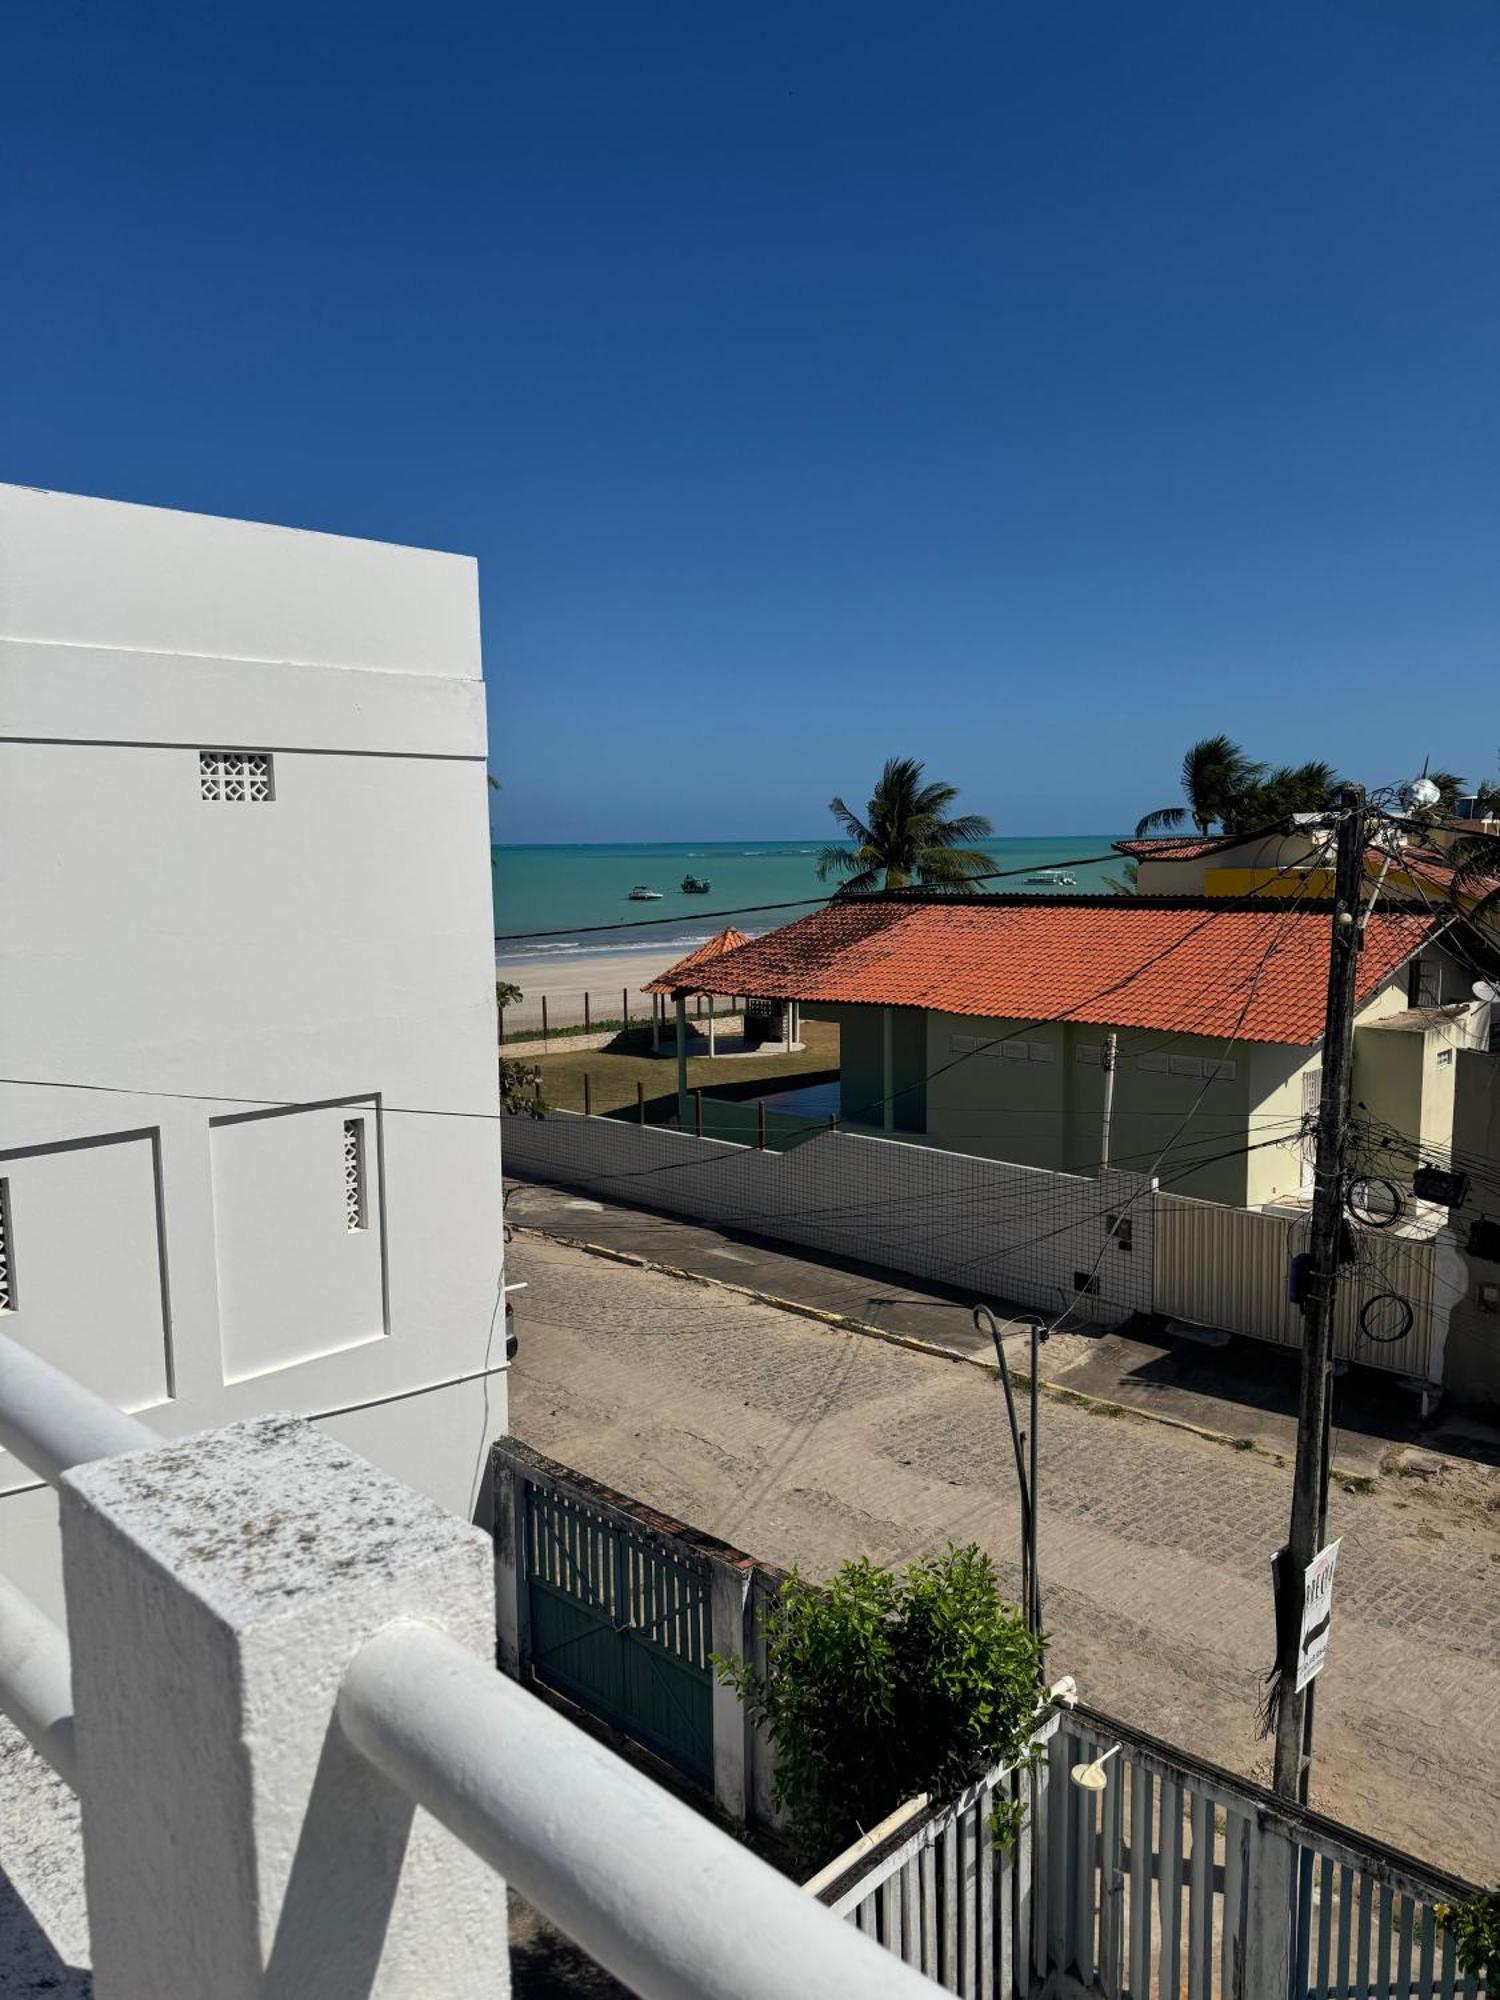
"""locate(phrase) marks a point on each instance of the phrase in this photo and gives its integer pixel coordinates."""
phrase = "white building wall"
(195, 995)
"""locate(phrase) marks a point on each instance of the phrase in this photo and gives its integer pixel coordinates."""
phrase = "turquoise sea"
(570, 890)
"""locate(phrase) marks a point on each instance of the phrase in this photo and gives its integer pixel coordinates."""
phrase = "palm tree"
(1214, 774)
(905, 836)
(1273, 797)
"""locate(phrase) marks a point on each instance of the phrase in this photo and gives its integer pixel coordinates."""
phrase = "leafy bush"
(1475, 1929)
(882, 1684)
(520, 1083)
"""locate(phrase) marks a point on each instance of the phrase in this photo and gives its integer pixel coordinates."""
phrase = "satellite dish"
(1485, 989)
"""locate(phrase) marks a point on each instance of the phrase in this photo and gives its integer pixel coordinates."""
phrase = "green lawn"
(613, 1074)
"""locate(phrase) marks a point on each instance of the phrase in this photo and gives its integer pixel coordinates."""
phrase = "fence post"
(697, 1111)
(728, 1603)
(508, 1501)
(1269, 1906)
(760, 1123)
(587, 1024)
(502, 1027)
(544, 1018)
(625, 1006)
(640, 1102)
(235, 1842)
(588, 1097)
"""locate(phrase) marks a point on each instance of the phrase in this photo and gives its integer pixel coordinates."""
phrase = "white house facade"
(249, 1138)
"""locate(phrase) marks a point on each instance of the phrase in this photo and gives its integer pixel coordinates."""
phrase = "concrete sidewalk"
(1243, 1391)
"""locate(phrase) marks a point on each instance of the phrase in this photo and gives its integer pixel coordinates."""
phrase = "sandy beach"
(606, 976)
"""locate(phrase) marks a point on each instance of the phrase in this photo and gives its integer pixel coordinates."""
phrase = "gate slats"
(1084, 1856)
(968, 1844)
(1170, 1890)
(1450, 1966)
(1325, 1924)
(987, 1871)
(1362, 1949)
(911, 1912)
(1425, 1958)
(1112, 1806)
(1346, 1929)
(890, 1915)
(1053, 1839)
(1383, 1944)
(1403, 1950)
(948, 1960)
(929, 1913)
(1028, 1947)
(1200, 1894)
(1232, 1935)
(1142, 1852)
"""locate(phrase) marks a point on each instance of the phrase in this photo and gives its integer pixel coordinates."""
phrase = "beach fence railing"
(579, 1011)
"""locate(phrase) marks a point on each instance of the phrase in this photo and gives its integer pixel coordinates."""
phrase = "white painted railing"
(663, 1900)
(52, 1422)
(278, 1655)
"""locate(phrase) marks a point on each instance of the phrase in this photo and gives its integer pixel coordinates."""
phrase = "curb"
(1100, 1406)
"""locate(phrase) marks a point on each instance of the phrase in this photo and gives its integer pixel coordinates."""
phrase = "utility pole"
(1320, 1288)
(1107, 1057)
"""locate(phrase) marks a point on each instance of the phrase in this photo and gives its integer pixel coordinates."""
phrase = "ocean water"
(572, 890)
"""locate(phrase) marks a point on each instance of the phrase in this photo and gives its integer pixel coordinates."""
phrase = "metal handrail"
(647, 1887)
(52, 1422)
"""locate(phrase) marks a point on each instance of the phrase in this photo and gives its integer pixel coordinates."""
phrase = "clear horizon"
(1027, 391)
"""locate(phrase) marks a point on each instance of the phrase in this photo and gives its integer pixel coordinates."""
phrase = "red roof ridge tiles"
(681, 973)
(1208, 967)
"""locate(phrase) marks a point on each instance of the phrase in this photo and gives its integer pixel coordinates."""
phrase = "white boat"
(642, 895)
(1053, 878)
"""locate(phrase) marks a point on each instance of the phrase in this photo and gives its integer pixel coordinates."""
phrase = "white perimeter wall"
(175, 973)
(1004, 1232)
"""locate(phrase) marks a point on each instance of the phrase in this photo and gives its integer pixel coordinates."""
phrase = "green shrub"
(882, 1684)
(1475, 1929)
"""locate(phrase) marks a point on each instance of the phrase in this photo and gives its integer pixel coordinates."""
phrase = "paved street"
(806, 1445)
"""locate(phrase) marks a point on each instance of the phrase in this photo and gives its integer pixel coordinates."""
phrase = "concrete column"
(684, 1109)
(235, 1843)
(656, 1010)
(509, 1488)
(887, 1070)
(729, 1612)
(711, 1049)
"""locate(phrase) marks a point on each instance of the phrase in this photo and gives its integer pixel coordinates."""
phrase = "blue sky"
(1029, 389)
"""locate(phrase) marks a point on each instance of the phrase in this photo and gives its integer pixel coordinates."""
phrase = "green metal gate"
(621, 1626)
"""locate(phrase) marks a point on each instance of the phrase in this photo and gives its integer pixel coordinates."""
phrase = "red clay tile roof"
(1188, 967)
(1177, 847)
(681, 974)
(1424, 865)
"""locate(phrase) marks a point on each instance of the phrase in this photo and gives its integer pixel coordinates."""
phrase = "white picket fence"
(1177, 1881)
(942, 1893)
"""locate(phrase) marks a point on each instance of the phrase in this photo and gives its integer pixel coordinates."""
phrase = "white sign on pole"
(1317, 1614)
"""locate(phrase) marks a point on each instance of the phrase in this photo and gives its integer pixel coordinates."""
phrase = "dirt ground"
(806, 1445)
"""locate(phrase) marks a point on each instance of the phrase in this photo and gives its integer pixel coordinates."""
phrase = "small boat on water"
(694, 885)
(640, 894)
(1053, 878)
